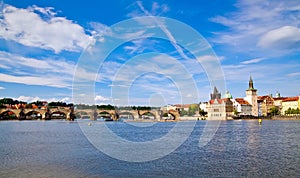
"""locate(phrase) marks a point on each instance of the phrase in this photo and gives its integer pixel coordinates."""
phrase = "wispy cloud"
(285, 37)
(257, 24)
(252, 61)
(31, 71)
(40, 27)
(294, 74)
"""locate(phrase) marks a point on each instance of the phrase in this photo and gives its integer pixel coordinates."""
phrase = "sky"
(45, 49)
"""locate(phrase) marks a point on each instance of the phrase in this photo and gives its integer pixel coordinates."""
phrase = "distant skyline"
(41, 42)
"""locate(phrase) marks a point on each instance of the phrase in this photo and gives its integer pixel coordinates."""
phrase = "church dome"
(228, 95)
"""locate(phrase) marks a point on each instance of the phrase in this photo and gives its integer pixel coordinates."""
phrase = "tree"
(192, 109)
(183, 113)
(202, 112)
(235, 112)
(274, 111)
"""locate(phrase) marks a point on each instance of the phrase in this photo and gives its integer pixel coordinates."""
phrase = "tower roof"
(251, 84)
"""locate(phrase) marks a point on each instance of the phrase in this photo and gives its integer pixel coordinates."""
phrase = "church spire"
(216, 94)
(251, 83)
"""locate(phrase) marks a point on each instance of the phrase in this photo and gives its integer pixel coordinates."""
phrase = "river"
(238, 149)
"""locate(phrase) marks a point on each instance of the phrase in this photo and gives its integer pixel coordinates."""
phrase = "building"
(278, 101)
(242, 107)
(265, 103)
(290, 102)
(251, 97)
(203, 106)
(219, 109)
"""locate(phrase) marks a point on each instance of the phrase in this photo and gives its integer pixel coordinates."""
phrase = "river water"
(238, 149)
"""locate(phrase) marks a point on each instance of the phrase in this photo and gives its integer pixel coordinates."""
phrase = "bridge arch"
(108, 113)
(105, 115)
(58, 115)
(82, 114)
(168, 116)
(8, 115)
(31, 115)
(126, 115)
(148, 115)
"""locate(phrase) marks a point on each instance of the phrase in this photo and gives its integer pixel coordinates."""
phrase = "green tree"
(202, 112)
(193, 109)
(274, 111)
(183, 113)
(235, 112)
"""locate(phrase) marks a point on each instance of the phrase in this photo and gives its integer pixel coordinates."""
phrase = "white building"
(242, 106)
(251, 97)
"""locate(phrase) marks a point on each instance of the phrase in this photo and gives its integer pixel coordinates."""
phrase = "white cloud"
(252, 25)
(252, 61)
(99, 98)
(283, 37)
(29, 28)
(52, 81)
(2, 88)
(28, 99)
(33, 71)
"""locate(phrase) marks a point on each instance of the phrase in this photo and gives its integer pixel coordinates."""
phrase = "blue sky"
(41, 43)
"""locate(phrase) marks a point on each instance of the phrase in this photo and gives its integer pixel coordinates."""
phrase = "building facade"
(243, 107)
(219, 109)
(290, 102)
(251, 97)
(265, 103)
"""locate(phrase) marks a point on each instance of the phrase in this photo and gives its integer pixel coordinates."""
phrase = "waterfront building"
(243, 107)
(181, 107)
(265, 103)
(219, 109)
(290, 102)
(278, 101)
(251, 97)
(168, 107)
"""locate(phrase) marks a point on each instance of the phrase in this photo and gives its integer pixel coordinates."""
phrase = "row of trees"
(4, 102)
(111, 107)
(292, 111)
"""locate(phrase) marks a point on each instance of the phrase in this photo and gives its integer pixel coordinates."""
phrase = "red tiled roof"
(182, 105)
(291, 99)
(218, 100)
(242, 101)
(280, 98)
(263, 97)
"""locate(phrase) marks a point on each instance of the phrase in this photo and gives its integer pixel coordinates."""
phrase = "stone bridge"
(39, 113)
(136, 114)
(93, 114)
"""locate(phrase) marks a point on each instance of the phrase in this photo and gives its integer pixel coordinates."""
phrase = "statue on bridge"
(72, 114)
(48, 114)
(22, 115)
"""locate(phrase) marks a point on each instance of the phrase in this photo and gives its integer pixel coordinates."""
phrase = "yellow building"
(299, 102)
(290, 102)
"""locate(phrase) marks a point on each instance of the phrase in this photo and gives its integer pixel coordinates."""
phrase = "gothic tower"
(215, 95)
(251, 97)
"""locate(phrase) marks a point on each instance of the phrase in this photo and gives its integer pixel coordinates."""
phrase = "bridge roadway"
(93, 114)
